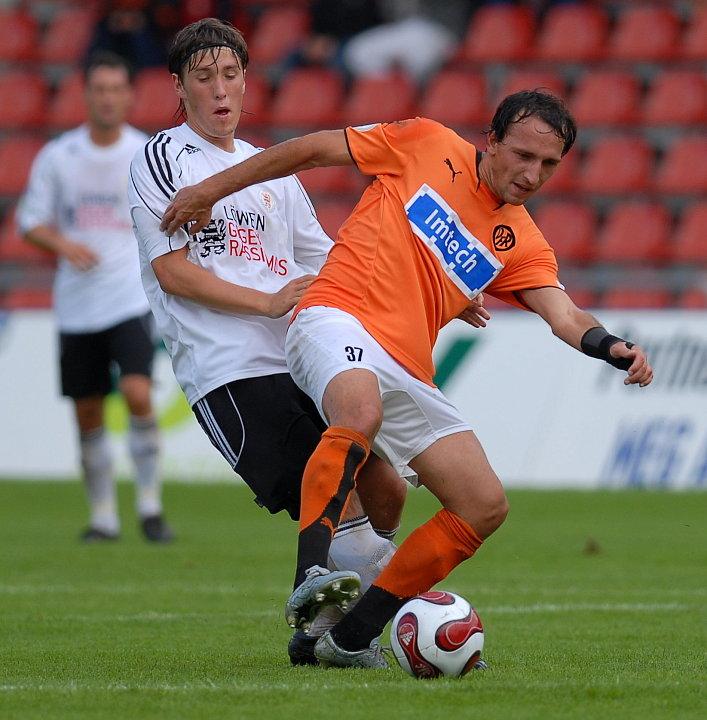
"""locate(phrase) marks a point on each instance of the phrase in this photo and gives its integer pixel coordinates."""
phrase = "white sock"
(144, 446)
(356, 547)
(97, 465)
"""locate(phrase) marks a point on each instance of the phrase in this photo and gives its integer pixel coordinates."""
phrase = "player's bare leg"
(455, 469)
(97, 468)
(143, 444)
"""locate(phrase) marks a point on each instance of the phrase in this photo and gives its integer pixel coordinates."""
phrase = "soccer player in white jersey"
(76, 206)
(222, 298)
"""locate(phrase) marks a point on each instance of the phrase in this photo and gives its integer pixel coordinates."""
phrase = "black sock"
(367, 620)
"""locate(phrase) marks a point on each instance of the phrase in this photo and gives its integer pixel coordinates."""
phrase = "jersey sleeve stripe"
(144, 202)
(163, 167)
(305, 196)
(156, 170)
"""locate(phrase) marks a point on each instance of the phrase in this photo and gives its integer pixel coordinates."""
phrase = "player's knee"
(365, 418)
(496, 512)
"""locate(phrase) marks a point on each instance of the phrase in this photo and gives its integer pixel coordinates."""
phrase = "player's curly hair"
(539, 103)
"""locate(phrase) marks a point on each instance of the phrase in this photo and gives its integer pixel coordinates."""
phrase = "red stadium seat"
(693, 299)
(25, 99)
(694, 43)
(156, 101)
(26, 299)
(333, 213)
(68, 106)
(566, 177)
(570, 228)
(609, 97)
(635, 232)
(677, 97)
(690, 236)
(572, 33)
(645, 32)
(334, 179)
(616, 165)
(18, 36)
(14, 249)
(256, 101)
(517, 80)
(279, 31)
(379, 99)
(308, 98)
(499, 33)
(684, 167)
(637, 298)
(16, 156)
(456, 98)
(68, 35)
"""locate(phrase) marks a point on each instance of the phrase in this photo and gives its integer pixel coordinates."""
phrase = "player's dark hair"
(538, 103)
(106, 58)
(199, 39)
(193, 42)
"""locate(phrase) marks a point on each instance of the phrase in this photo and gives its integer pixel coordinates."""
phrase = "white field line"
(283, 590)
(489, 610)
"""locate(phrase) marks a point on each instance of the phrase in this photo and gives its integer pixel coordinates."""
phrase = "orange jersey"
(424, 239)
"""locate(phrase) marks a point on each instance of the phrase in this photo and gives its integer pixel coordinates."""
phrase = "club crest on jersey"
(267, 200)
(469, 264)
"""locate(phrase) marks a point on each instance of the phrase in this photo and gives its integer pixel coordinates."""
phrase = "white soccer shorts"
(323, 342)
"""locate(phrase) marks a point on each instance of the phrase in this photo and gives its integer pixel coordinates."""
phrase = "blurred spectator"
(418, 36)
(127, 28)
(332, 25)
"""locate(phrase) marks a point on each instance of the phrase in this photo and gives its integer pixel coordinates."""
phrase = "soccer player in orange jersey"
(440, 223)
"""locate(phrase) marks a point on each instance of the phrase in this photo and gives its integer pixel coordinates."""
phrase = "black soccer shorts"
(266, 428)
(87, 360)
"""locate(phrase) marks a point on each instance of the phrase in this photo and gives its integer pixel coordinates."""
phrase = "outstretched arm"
(177, 275)
(193, 204)
(584, 332)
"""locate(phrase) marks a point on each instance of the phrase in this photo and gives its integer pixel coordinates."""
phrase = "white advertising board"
(547, 415)
(37, 431)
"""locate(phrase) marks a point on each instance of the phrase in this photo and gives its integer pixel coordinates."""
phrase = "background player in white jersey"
(76, 206)
(222, 298)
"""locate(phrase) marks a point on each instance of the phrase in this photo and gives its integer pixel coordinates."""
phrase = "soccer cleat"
(156, 530)
(331, 655)
(301, 649)
(96, 535)
(320, 589)
(480, 665)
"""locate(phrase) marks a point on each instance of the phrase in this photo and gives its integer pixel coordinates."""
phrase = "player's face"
(108, 96)
(518, 166)
(212, 93)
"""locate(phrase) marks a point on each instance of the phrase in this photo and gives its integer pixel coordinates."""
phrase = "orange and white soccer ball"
(437, 634)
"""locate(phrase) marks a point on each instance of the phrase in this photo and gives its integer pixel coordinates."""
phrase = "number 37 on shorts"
(353, 353)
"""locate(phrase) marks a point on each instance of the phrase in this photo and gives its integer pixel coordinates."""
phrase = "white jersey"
(80, 189)
(261, 237)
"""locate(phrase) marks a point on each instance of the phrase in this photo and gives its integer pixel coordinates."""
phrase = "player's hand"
(190, 205)
(80, 256)
(287, 297)
(475, 314)
(640, 372)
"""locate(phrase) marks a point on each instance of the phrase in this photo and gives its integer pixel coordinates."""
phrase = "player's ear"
(178, 87)
(491, 143)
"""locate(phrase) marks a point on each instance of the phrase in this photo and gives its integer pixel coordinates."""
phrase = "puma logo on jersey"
(454, 172)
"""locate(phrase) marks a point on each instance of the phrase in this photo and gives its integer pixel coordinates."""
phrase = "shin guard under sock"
(328, 479)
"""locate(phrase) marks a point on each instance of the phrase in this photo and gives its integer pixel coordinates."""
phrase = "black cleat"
(95, 535)
(155, 529)
(480, 665)
(301, 649)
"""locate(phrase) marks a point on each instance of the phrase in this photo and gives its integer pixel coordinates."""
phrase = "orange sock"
(328, 479)
(428, 555)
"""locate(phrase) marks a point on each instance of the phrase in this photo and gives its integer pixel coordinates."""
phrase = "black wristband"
(596, 343)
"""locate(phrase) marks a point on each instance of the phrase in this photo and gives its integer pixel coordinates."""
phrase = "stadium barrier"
(546, 415)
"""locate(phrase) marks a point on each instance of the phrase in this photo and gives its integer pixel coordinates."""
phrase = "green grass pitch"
(593, 605)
